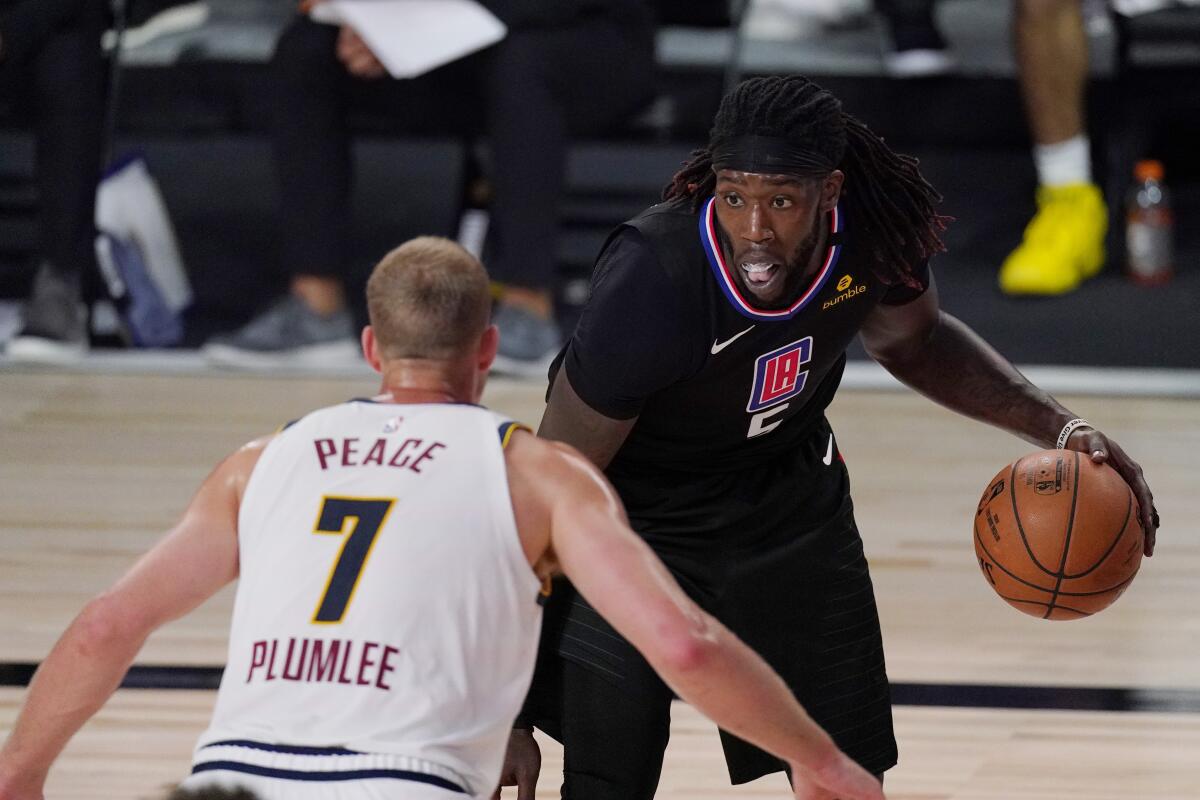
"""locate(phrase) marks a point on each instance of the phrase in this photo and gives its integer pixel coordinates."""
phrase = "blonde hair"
(429, 298)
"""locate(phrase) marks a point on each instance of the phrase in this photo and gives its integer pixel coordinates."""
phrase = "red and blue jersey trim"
(724, 275)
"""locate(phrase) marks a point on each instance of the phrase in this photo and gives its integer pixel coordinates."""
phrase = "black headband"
(768, 155)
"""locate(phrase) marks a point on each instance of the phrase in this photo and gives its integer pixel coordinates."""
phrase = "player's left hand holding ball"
(1102, 450)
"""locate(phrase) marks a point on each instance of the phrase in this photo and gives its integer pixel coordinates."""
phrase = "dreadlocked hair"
(884, 192)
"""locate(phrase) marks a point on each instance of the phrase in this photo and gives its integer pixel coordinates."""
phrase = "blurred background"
(192, 97)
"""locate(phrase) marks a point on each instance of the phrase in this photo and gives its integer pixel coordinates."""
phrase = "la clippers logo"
(778, 374)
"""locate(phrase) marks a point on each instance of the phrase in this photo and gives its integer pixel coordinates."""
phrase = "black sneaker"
(54, 330)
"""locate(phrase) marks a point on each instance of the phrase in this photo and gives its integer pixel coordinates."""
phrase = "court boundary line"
(904, 693)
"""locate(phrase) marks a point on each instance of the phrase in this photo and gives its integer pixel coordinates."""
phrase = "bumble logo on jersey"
(847, 293)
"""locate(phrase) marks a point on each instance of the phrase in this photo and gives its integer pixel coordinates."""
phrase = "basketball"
(1057, 535)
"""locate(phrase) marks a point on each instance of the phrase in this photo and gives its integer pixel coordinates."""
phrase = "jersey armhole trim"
(507, 430)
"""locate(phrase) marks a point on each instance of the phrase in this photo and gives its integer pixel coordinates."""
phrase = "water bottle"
(1149, 238)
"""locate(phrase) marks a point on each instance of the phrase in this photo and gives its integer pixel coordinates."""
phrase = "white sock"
(1068, 161)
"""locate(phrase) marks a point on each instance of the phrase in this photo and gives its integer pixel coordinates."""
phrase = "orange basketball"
(1057, 535)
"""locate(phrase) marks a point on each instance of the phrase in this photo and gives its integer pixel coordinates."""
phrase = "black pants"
(528, 94)
(53, 73)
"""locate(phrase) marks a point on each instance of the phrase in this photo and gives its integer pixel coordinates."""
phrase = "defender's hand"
(522, 764)
(1103, 450)
(842, 779)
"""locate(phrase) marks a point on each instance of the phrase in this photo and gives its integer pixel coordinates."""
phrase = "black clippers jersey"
(715, 383)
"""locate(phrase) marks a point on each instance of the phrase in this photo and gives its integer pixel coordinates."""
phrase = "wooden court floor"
(94, 467)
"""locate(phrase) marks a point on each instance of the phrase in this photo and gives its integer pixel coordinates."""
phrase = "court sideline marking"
(959, 695)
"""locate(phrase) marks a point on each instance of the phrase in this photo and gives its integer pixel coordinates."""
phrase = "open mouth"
(759, 273)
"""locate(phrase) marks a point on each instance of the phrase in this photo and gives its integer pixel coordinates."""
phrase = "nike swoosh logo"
(719, 346)
(828, 459)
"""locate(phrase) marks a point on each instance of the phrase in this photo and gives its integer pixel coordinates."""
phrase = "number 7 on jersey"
(368, 514)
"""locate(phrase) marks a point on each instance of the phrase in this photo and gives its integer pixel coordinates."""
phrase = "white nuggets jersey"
(387, 620)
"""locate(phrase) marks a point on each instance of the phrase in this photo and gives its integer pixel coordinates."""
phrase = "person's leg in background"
(918, 48)
(324, 76)
(311, 146)
(55, 47)
(529, 141)
(1064, 244)
(313, 163)
(535, 106)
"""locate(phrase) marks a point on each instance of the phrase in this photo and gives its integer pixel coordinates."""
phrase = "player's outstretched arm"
(561, 496)
(195, 559)
(943, 359)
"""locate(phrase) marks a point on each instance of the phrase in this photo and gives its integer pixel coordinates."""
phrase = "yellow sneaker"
(1063, 244)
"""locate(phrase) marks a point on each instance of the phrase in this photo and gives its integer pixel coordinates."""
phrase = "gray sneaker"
(55, 322)
(288, 334)
(528, 343)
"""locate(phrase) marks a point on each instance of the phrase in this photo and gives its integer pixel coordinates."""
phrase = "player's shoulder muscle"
(540, 462)
(233, 473)
(532, 465)
(544, 473)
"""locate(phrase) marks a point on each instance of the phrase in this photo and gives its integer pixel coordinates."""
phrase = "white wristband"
(1069, 428)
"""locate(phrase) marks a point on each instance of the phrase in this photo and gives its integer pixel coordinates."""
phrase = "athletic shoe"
(288, 334)
(918, 51)
(1062, 246)
(528, 343)
(153, 19)
(55, 322)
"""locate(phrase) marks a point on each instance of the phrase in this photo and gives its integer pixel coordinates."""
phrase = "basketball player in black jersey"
(698, 378)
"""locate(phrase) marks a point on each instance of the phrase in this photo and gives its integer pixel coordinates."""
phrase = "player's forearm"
(958, 369)
(731, 684)
(79, 674)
